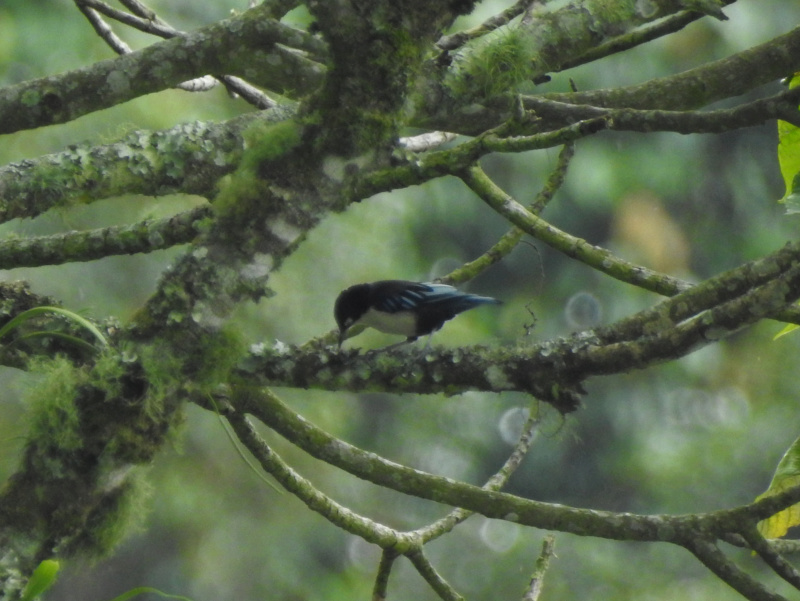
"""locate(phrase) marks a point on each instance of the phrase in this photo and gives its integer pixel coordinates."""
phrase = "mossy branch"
(143, 237)
(552, 371)
(604, 524)
(393, 542)
(780, 106)
(188, 158)
(514, 236)
(337, 514)
(506, 138)
(224, 47)
(725, 78)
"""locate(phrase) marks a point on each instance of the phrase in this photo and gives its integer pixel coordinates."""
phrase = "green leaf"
(42, 579)
(787, 475)
(789, 158)
(792, 201)
(36, 311)
(141, 590)
(235, 443)
(787, 329)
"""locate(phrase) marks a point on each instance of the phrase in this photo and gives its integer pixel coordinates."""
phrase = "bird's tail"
(474, 299)
(465, 302)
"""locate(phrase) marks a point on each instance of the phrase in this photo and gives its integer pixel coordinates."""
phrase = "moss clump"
(497, 64)
(269, 141)
(202, 368)
(265, 143)
(55, 421)
(120, 512)
(220, 353)
(79, 485)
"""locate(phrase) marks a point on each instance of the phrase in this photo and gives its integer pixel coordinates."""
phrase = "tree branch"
(143, 237)
(388, 557)
(152, 24)
(770, 556)
(513, 237)
(225, 47)
(703, 85)
(442, 588)
(780, 106)
(599, 258)
(189, 158)
(267, 408)
(635, 38)
(458, 39)
(446, 524)
(711, 557)
(552, 371)
(534, 590)
(337, 514)
(454, 160)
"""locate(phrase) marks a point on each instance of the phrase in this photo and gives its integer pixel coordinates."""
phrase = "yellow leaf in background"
(787, 475)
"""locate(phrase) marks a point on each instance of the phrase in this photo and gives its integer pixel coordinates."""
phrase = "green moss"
(205, 367)
(219, 354)
(162, 372)
(241, 184)
(30, 98)
(265, 143)
(107, 373)
(269, 141)
(55, 420)
(120, 512)
(88, 431)
(132, 405)
(403, 51)
(495, 65)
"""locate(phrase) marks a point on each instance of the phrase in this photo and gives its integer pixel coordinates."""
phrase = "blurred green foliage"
(702, 433)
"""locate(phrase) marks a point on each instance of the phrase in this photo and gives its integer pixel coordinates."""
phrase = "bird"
(411, 309)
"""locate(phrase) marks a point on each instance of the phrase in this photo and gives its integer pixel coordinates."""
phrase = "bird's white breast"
(401, 322)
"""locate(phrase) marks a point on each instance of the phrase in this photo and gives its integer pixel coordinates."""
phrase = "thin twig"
(152, 26)
(771, 557)
(727, 571)
(456, 40)
(555, 180)
(635, 38)
(781, 545)
(534, 590)
(513, 237)
(147, 21)
(140, 9)
(496, 482)
(382, 577)
(104, 30)
(293, 482)
(432, 577)
(427, 141)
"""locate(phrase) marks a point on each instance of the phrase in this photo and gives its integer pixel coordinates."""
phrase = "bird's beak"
(342, 334)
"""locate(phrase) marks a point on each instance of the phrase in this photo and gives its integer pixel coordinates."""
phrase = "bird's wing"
(393, 297)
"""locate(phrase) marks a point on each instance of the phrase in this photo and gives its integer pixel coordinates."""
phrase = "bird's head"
(350, 306)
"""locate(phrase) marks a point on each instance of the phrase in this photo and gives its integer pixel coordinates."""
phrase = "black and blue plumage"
(411, 309)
